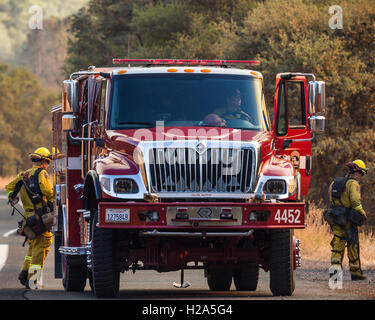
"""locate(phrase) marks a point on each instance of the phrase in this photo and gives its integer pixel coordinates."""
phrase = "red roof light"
(186, 62)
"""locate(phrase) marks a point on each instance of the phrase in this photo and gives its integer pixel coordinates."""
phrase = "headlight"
(106, 184)
(125, 186)
(274, 187)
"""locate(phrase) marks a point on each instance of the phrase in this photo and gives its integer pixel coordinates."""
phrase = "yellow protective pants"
(338, 248)
(36, 254)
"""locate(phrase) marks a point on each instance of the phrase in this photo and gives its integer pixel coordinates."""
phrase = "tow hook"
(182, 284)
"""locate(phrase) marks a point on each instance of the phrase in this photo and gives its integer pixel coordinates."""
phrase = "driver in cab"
(232, 110)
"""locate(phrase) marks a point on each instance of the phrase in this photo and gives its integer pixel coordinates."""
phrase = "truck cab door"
(89, 128)
(92, 127)
(86, 129)
(98, 118)
(290, 124)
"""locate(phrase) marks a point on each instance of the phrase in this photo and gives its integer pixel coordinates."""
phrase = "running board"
(75, 251)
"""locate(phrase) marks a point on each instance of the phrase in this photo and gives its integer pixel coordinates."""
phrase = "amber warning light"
(187, 62)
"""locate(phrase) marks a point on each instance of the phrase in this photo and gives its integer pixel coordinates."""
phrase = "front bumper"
(196, 216)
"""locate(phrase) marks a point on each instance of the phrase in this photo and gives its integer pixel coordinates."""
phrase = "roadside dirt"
(317, 272)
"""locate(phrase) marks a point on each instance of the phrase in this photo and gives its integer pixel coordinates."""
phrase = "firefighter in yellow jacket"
(347, 232)
(40, 245)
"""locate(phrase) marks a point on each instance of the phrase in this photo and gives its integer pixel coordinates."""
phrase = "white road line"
(2, 197)
(9, 233)
(3, 255)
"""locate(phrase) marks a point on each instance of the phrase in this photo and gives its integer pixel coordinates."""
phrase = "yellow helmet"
(357, 166)
(56, 154)
(40, 154)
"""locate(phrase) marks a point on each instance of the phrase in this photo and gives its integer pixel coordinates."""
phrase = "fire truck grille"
(214, 170)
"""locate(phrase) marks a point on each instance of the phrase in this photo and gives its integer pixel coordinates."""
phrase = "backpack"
(337, 215)
(41, 220)
(32, 187)
(338, 187)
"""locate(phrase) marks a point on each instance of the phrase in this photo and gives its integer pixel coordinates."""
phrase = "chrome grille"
(185, 169)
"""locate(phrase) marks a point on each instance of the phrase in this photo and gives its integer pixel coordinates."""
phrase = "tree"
(300, 40)
(100, 33)
(25, 121)
(45, 52)
(147, 28)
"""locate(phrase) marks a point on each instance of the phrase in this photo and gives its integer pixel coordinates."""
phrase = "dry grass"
(4, 181)
(316, 238)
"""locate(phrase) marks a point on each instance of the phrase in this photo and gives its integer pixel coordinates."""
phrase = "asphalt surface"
(311, 283)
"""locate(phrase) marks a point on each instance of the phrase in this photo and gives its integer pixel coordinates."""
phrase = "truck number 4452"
(288, 216)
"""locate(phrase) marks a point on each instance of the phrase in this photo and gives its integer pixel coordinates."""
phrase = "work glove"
(13, 201)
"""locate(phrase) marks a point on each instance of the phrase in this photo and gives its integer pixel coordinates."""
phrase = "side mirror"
(70, 96)
(317, 98)
(317, 106)
(317, 124)
(68, 122)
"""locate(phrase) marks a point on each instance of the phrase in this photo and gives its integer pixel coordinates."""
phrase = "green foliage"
(146, 28)
(25, 118)
(101, 29)
(156, 25)
(300, 40)
(180, 32)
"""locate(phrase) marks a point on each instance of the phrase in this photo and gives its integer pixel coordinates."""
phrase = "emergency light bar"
(186, 62)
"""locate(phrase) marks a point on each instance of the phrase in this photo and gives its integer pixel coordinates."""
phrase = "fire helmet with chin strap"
(40, 154)
(357, 166)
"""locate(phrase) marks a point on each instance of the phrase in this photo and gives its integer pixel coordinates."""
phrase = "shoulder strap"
(17, 188)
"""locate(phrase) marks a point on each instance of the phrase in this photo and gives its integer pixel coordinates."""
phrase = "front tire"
(73, 268)
(219, 279)
(105, 277)
(74, 273)
(246, 278)
(282, 263)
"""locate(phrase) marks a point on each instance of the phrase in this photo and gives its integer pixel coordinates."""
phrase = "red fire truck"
(176, 164)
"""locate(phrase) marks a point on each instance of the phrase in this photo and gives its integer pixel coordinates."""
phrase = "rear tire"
(219, 279)
(246, 278)
(282, 263)
(74, 273)
(73, 268)
(105, 278)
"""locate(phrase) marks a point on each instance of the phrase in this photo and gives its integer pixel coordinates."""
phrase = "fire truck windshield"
(232, 101)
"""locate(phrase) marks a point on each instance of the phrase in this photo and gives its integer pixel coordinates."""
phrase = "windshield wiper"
(211, 125)
(202, 124)
(151, 124)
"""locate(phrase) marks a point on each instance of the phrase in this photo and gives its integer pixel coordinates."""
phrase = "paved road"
(148, 285)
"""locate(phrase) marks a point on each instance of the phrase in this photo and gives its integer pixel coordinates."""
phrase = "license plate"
(117, 215)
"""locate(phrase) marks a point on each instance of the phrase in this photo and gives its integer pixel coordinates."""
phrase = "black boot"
(22, 277)
(358, 277)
